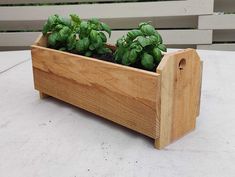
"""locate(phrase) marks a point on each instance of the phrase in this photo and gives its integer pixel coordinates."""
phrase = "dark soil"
(110, 58)
(105, 57)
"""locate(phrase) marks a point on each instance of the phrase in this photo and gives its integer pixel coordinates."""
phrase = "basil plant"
(76, 35)
(140, 48)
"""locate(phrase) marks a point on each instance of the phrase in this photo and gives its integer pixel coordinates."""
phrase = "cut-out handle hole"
(182, 64)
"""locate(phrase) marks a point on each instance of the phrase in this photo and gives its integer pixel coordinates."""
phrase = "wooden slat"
(217, 21)
(109, 10)
(54, 1)
(222, 47)
(122, 94)
(224, 35)
(224, 5)
(180, 87)
(20, 39)
(117, 23)
(178, 36)
(169, 36)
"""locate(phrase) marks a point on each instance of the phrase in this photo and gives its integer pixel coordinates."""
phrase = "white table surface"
(49, 138)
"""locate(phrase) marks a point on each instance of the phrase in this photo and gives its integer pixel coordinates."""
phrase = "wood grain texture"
(180, 87)
(162, 105)
(125, 95)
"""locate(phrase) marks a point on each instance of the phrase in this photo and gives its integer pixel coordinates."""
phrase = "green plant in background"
(140, 48)
(76, 35)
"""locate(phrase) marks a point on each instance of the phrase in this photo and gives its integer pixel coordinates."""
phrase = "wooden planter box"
(162, 105)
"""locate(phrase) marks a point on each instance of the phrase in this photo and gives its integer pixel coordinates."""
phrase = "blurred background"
(202, 24)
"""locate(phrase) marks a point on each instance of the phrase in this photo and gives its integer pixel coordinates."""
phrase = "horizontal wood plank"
(224, 35)
(170, 37)
(217, 21)
(122, 94)
(54, 1)
(117, 23)
(224, 5)
(221, 47)
(109, 10)
(18, 39)
(178, 36)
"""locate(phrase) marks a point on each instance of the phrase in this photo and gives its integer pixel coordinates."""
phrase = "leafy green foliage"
(140, 47)
(76, 35)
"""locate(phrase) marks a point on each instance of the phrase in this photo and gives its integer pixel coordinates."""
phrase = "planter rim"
(36, 45)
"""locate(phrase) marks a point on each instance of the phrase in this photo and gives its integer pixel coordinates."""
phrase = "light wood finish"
(162, 105)
(180, 87)
(122, 94)
(200, 88)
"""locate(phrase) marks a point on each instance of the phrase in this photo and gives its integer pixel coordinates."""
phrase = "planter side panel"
(180, 95)
(121, 94)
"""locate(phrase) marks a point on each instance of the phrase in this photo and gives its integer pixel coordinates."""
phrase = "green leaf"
(58, 27)
(92, 47)
(80, 46)
(94, 35)
(94, 27)
(75, 18)
(86, 43)
(52, 20)
(98, 43)
(134, 33)
(84, 27)
(71, 42)
(154, 39)
(103, 37)
(119, 42)
(64, 33)
(103, 50)
(162, 47)
(125, 58)
(147, 61)
(159, 38)
(64, 21)
(135, 45)
(142, 24)
(106, 28)
(52, 39)
(132, 56)
(119, 54)
(148, 30)
(45, 29)
(138, 48)
(157, 54)
(95, 21)
(144, 41)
